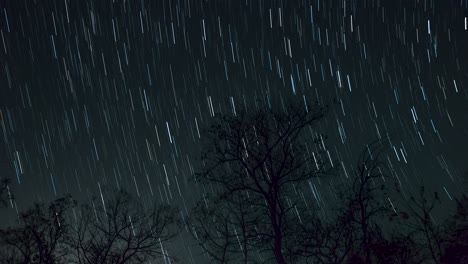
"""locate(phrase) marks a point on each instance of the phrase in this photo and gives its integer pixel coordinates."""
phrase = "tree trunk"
(277, 237)
(277, 234)
(277, 250)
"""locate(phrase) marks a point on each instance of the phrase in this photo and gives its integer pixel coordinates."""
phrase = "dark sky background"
(112, 93)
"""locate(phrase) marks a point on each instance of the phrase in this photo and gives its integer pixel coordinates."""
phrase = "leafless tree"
(428, 235)
(355, 233)
(352, 233)
(366, 202)
(224, 229)
(38, 235)
(378, 232)
(324, 242)
(121, 231)
(265, 157)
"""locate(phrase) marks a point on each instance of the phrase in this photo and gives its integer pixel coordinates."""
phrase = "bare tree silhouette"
(355, 234)
(324, 242)
(428, 235)
(38, 235)
(122, 231)
(261, 160)
(255, 208)
(223, 228)
(365, 204)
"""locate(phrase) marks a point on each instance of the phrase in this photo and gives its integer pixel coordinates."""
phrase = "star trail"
(118, 93)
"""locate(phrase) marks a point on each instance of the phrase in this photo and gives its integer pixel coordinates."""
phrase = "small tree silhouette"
(355, 234)
(38, 236)
(263, 161)
(5, 193)
(223, 228)
(456, 245)
(121, 232)
(364, 207)
(324, 242)
(428, 235)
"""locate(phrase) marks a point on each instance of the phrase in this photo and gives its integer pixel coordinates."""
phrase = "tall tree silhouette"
(122, 231)
(266, 158)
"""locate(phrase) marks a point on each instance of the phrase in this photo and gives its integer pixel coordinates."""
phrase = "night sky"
(113, 93)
